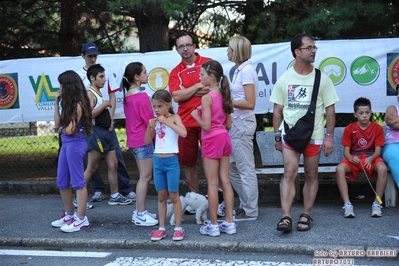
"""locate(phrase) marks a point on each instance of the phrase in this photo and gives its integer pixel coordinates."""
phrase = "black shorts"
(101, 140)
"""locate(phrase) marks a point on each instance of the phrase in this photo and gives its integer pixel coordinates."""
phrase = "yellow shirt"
(294, 92)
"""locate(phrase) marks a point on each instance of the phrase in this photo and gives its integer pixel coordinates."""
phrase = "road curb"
(269, 190)
(189, 245)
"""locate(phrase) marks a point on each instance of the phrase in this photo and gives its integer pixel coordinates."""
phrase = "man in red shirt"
(187, 90)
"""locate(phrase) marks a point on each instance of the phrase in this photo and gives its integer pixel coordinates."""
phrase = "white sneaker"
(65, 219)
(143, 219)
(119, 200)
(88, 205)
(98, 196)
(210, 229)
(153, 215)
(376, 210)
(76, 225)
(348, 211)
(221, 209)
(131, 196)
(228, 228)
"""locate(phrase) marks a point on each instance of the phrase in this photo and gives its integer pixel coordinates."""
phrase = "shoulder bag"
(299, 135)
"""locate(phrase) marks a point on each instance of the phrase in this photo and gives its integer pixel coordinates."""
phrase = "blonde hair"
(242, 49)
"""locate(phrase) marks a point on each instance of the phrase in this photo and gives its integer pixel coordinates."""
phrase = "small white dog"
(196, 201)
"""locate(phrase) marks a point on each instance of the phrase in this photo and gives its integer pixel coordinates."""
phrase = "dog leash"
(191, 186)
(193, 189)
(368, 179)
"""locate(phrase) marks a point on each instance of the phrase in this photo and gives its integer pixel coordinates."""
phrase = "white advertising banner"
(367, 68)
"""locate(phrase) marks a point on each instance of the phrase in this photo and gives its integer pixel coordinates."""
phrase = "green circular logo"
(365, 70)
(335, 68)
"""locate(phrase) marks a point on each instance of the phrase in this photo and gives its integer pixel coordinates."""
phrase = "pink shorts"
(356, 169)
(217, 146)
(310, 151)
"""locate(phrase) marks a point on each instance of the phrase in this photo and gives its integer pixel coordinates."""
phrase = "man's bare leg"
(191, 173)
(310, 187)
(287, 186)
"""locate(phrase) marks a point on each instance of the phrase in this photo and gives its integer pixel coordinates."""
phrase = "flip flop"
(309, 219)
(285, 224)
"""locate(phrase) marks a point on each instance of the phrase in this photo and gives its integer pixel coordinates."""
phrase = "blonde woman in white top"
(244, 87)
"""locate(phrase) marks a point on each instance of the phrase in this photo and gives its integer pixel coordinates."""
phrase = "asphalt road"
(26, 219)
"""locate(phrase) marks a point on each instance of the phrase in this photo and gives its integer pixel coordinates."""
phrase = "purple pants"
(71, 162)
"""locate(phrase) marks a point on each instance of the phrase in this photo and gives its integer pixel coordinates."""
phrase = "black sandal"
(285, 224)
(309, 219)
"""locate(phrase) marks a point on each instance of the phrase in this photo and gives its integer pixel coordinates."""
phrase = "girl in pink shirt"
(138, 112)
(214, 119)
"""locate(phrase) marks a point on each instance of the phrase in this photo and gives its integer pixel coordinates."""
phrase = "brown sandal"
(309, 219)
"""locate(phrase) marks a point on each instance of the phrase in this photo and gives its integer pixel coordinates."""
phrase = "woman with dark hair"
(73, 123)
(138, 112)
(214, 118)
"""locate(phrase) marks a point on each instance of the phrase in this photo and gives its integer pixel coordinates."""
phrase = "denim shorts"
(143, 152)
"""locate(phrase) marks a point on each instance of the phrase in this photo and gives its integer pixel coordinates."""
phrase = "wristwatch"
(277, 138)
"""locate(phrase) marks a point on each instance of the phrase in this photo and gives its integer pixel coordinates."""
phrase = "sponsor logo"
(43, 88)
(45, 92)
(9, 91)
(392, 73)
(365, 70)
(158, 79)
(335, 68)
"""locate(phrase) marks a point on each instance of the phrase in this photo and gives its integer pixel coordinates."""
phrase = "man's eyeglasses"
(181, 47)
(310, 48)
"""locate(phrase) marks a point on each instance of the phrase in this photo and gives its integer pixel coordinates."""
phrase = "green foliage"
(281, 20)
(28, 28)
(350, 19)
(214, 22)
(134, 7)
(31, 28)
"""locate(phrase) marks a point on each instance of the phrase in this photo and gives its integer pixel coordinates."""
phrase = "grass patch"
(42, 145)
(29, 145)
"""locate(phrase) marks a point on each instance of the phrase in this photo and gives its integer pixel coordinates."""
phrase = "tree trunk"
(152, 24)
(68, 29)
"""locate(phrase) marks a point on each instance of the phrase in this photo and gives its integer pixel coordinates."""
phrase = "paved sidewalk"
(25, 222)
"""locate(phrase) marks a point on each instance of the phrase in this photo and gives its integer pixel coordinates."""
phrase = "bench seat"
(272, 160)
(301, 170)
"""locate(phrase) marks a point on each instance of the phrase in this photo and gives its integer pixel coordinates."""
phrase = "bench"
(273, 162)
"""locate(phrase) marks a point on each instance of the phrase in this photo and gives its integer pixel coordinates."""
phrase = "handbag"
(299, 135)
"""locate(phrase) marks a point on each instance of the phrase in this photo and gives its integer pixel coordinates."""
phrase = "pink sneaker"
(178, 235)
(157, 235)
